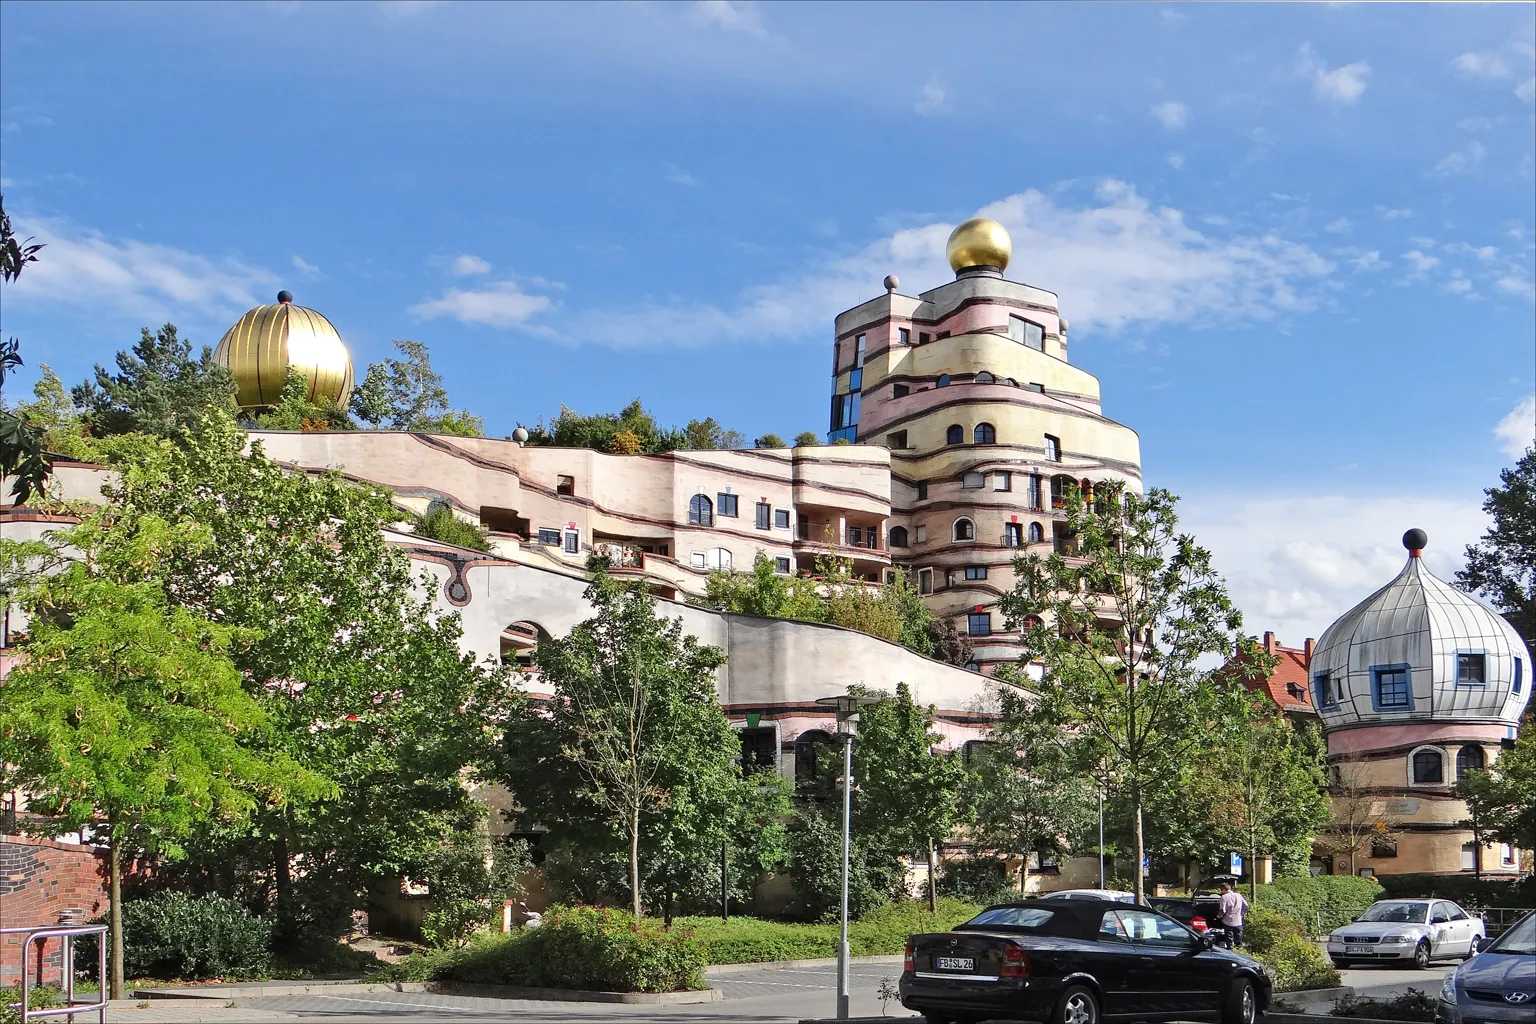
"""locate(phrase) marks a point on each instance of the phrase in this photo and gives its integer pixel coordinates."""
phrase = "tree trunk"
(116, 918)
(1140, 886)
(1024, 878)
(933, 880)
(1253, 867)
(634, 863)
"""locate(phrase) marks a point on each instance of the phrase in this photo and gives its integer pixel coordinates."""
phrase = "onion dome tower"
(271, 339)
(1415, 685)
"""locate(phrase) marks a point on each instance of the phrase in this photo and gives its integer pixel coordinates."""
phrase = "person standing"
(1232, 911)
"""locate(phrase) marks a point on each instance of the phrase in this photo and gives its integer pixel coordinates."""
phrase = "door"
(1114, 963)
(1462, 929)
(1172, 978)
(1442, 933)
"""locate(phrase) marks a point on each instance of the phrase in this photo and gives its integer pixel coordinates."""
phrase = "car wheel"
(1477, 945)
(1242, 1004)
(1078, 1005)
(1421, 956)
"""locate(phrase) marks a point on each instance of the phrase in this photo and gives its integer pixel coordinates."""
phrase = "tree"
(1502, 798)
(807, 439)
(634, 743)
(22, 457)
(1119, 624)
(1502, 565)
(769, 441)
(126, 714)
(294, 410)
(469, 880)
(159, 388)
(707, 435)
(1359, 816)
(441, 524)
(1279, 782)
(407, 394)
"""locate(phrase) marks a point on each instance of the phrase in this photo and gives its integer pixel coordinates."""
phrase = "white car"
(1414, 930)
(1114, 895)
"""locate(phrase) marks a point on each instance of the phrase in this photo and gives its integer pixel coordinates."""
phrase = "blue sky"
(1295, 241)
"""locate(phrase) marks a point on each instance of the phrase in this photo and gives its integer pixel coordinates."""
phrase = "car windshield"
(1399, 913)
(1519, 940)
(1032, 918)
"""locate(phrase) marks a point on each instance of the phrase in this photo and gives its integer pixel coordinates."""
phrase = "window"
(896, 442)
(1036, 533)
(696, 559)
(898, 537)
(1470, 759)
(781, 565)
(1030, 335)
(1150, 929)
(1294, 691)
(764, 515)
(925, 581)
(1428, 768)
(700, 511)
(1037, 388)
(1013, 536)
(781, 518)
(984, 434)
(549, 536)
(759, 749)
(1469, 856)
(858, 351)
(970, 748)
(964, 529)
(900, 391)
(922, 534)
(572, 542)
(955, 434)
(943, 381)
(1322, 684)
(972, 666)
(979, 623)
(726, 504)
(922, 337)
(719, 558)
(1002, 480)
(1471, 668)
(808, 747)
(856, 379)
(973, 481)
(904, 335)
(1034, 491)
(984, 378)
(1392, 691)
(1060, 485)
(1519, 667)
(1052, 448)
(1506, 854)
(1383, 847)
(975, 572)
(941, 336)
(922, 490)
(1010, 382)
(856, 535)
(565, 485)
(1063, 542)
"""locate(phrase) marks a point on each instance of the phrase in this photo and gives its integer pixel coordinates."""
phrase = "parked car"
(1200, 912)
(1414, 930)
(1078, 961)
(1496, 985)
(1113, 895)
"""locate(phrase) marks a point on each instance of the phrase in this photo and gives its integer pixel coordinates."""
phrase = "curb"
(1309, 1018)
(296, 988)
(780, 965)
(1312, 993)
(563, 995)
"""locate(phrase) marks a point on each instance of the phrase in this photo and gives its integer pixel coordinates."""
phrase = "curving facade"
(1416, 685)
(988, 424)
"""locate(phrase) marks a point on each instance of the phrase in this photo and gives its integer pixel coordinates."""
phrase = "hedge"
(174, 935)
(1307, 900)
(1463, 889)
(882, 931)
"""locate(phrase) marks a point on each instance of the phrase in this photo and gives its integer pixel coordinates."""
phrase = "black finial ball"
(285, 296)
(1415, 539)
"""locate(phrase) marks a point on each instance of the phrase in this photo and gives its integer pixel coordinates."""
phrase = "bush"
(981, 880)
(883, 931)
(1468, 892)
(441, 524)
(466, 894)
(1414, 1004)
(1278, 942)
(1315, 902)
(583, 948)
(174, 935)
(816, 865)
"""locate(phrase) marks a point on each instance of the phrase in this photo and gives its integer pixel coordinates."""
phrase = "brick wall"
(39, 881)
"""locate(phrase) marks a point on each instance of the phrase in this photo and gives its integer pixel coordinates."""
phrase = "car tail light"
(1015, 963)
(1198, 924)
(909, 962)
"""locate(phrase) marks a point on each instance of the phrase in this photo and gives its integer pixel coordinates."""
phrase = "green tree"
(441, 524)
(1502, 565)
(407, 394)
(769, 441)
(469, 880)
(634, 747)
(1119, 624)
(764, 591)
(126, 714)
(22, 457)
(707, 435)
(807, 439)
(1502, 798)
(159, 388)
(294, 410)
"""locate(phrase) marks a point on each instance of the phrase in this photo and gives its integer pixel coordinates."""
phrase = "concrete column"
(842, 530)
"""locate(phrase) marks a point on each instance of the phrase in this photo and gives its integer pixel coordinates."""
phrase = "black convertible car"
(1078, 962)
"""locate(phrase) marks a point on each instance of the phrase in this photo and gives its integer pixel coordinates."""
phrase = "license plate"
(955, 963)
(1358, 949)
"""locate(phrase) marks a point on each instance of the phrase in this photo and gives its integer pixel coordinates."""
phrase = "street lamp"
(847, 709)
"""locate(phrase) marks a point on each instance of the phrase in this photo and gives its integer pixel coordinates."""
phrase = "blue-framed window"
(1472, 668)
(1519, 665)
(1391, 688)
(1324, 692)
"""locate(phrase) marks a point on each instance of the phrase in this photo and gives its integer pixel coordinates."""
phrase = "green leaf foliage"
(1294, 961)
(295, 411)
(159, 388)
(807, 439)
(1502, 564)
(407, 394)
(769, 441)
(469, 881)
(632, 431)
(441, 524)
(1502, 798)
(176, 935)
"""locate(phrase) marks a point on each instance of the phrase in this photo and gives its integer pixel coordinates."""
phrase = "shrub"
(441, 524)
(981, 880)
(1415, 1005)
(174, 935)
(1314, 902)
(816, 865)
(1277, 941)
(1469, 892)
(584, 948)
(466, 894)
(884, 931)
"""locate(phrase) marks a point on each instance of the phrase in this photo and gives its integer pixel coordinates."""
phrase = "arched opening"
(898, 537)
(518, 642)
(984, 434)
(1428, 767)
(943, 381)
(813, 758)
(964, 529)
(1470, 759)
(1061, 486)
(984, 378)
(1036, 533)
(955, 434)
(701, 511)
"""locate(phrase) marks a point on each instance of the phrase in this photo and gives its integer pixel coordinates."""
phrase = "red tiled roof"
(1288, 685)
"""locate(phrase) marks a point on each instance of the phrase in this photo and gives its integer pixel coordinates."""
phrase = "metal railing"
(68, 933)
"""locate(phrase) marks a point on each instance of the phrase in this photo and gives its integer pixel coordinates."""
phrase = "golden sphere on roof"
(979, 242)
(270, 340)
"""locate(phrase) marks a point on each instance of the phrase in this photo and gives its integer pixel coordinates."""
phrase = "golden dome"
(979, 242)
(267, 341)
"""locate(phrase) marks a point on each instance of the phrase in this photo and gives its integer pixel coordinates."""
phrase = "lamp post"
(847, 709)
(1101, 836)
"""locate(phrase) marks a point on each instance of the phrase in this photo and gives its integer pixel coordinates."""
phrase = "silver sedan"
(1417, 931)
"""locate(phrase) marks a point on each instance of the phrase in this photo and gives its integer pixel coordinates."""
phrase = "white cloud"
(730, 15)
(468, 265)
(1516, 283)
(1340, 226)
(1339, 85)
(1175, 160)
(1502, 66)
(1487, 64)
(1387, 213)
(1463, 161)
(1475, 124)
(1460, 285)
(1526, 90)
(1517, 431)
(678, 176)
(303, 266)
(934, 99)
(144, 280)
(1370, 261)
(499, 304)
(1172, 114)
(1117, 260)
(1294, 564)
(1422, 264)
(1486, 253)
